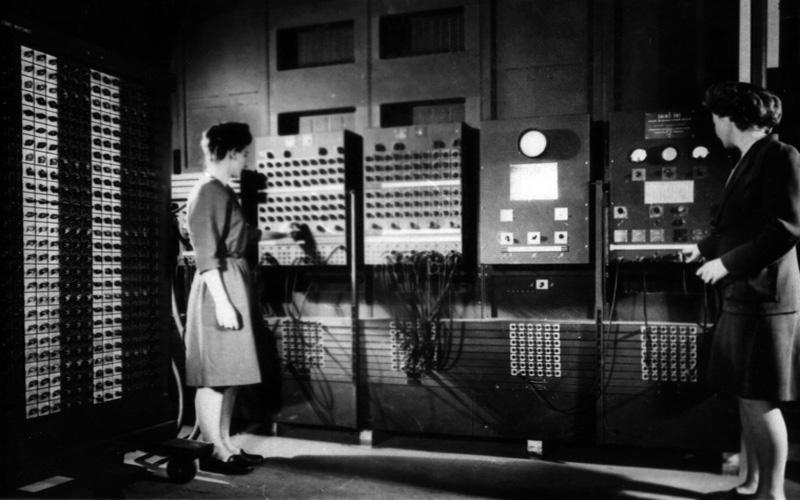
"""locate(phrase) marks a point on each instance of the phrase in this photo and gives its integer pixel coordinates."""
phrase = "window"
(401, 114)
(318, 45)
(311, 122)
(420, 33)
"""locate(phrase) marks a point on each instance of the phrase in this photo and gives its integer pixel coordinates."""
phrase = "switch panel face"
(302, 345)
(314, 348)
(535, 349)
(534, 191)
(414, 190)
(652, 353)
(653, 390)
(669, 353)
(666, 172)
(307, 181)
(82, 223)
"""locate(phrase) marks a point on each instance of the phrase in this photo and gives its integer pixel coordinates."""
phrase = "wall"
(224, 72)
(542, 58)
(233, 74)
(521, 58)
(667, 53)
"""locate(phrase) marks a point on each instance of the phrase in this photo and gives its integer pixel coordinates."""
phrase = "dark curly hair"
(745, 104)
(225, 137)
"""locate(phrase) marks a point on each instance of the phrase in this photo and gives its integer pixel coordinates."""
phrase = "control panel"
(308, 177)
(413, 345)
(90, 293)
(653, 392)
(654, 352)
(416, 190)
(669, 353)
(534, 191)
(665, 175)
(301, 345)
(535, 349)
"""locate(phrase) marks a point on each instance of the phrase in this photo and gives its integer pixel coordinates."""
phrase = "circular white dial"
(700, 152)
(669, 153)
(638, 155)
(532, 143)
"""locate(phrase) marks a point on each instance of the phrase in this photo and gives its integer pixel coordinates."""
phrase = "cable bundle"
(422, 281)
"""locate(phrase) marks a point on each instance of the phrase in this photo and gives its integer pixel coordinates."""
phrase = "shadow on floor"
(412, 477)
(524, 479)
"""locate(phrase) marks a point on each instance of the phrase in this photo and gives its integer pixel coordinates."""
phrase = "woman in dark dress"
(222, 314)
(751, 256)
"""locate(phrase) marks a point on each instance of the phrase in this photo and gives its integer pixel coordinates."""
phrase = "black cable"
(321, 402)
(305, 297)
(718, 304)
(683, 279)
(644, 297)
(611, 311)
(288, 296)
(333, 252)
(269, 260)
(445, 341)
(704, 323)
(422, 280)
(445, 267)
(575, 410)
(448, 282)
(290, 290)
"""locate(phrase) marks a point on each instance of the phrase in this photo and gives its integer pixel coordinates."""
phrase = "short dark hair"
(224, 137)
(745, 104)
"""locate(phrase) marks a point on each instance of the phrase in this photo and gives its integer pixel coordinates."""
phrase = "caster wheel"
(181, 470)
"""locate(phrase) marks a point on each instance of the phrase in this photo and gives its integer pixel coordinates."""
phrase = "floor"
(306, 469)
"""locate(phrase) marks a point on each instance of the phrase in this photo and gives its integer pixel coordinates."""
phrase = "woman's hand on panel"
(691, 254)
(712, 271)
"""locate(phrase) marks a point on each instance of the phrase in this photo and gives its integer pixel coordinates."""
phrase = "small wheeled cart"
(180, 456)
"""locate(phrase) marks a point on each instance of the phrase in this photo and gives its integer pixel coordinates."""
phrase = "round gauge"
(700, 152)
(532, 143)
(669, 153)
(638, 155)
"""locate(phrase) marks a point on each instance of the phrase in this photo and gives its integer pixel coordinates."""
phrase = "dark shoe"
(249, 458)
(234, 466)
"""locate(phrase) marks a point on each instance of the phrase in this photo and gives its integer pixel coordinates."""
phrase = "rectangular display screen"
(668, 192)
(533, 181)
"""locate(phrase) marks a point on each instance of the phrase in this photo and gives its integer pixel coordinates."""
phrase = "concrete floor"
(306, 469)
(399, 467)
